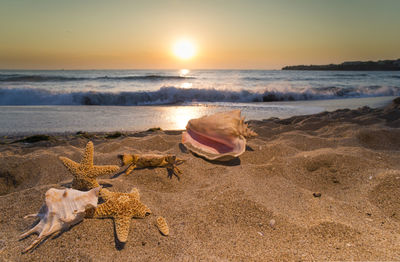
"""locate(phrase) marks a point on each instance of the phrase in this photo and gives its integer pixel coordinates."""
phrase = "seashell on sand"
(162, 226)
(62, 209)
(221, 136)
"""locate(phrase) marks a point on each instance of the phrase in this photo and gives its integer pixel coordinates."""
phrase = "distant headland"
(382, 65)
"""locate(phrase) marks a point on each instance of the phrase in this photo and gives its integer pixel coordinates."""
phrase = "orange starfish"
(85, 172)
(122, 207)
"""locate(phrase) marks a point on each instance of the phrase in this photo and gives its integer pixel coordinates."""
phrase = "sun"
(184, 49)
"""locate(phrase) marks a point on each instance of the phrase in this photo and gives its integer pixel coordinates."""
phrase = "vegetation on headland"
(382, 65)
(34, 139)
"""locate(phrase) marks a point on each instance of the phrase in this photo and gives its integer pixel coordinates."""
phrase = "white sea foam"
(176, 95)
(159, 87)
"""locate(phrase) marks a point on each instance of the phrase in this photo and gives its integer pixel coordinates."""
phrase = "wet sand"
(316, 187)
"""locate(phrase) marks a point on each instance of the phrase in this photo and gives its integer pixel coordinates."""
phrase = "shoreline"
(59, 120)
(313, 187)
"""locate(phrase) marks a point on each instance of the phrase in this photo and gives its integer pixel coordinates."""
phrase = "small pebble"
(317, 194)
(260, 233)
(272, 223)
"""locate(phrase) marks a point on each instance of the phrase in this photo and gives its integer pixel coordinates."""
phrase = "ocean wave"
(298, 78)
(51, 78)
(266, 78)
(175, 95)
(350, 74)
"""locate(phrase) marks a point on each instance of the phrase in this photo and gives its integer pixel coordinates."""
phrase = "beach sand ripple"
(330, 184)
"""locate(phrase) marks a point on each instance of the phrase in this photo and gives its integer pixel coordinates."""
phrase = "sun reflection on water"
(179, 116)
(186, 85)
(184, 72)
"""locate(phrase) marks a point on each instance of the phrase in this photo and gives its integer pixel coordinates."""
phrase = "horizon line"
(141, 69)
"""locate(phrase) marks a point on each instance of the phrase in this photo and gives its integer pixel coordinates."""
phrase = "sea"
(65, 101)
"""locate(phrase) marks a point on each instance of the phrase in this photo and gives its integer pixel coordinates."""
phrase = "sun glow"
(184, 72)
(184, 49)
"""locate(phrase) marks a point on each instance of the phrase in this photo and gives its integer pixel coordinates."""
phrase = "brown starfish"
(85, 172)
(122, 207)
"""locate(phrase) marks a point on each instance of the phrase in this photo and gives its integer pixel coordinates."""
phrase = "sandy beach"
(316, 187)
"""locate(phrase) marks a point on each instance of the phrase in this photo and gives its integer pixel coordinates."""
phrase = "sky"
(226, 34)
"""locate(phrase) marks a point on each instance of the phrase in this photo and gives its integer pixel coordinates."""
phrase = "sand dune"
(318, 187)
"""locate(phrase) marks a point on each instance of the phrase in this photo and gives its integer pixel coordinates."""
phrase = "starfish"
(85, 172)
(122, 207)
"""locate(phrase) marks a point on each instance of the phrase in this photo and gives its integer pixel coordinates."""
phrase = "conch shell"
(62, 209)
(217, 137)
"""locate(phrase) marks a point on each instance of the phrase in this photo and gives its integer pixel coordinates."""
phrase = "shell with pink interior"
(221, 136)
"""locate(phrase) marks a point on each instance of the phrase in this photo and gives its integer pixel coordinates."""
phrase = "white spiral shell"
(62, 209)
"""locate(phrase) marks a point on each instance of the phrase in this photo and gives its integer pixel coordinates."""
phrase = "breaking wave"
(175, 95)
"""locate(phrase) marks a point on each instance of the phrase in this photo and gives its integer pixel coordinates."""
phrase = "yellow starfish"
(85, 172)
(122, 207)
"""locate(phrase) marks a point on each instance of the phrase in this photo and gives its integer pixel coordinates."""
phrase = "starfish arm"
(89, 213)
(87, 159)
(84, 184)
(72, 166)
(106, 194)
(103, 210)
(122, 225)
(96, 171)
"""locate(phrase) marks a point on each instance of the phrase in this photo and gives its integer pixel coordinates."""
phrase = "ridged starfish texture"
(85, 173)
(162, 226)
(122, 207)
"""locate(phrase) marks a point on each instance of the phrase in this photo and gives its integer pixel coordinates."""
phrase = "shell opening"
(218, 146)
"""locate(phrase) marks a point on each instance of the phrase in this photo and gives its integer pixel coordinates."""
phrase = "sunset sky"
(76, 34)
